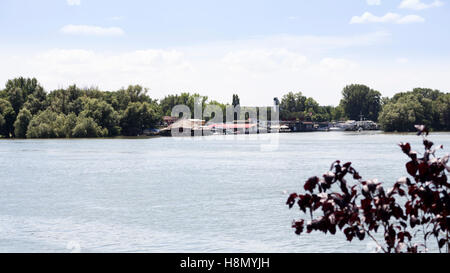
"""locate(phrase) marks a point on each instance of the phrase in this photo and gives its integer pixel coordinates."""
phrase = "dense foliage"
(424, 106)
(409, 214)
(295, 106)
(187, 99)
(361, 101)
(26, 110)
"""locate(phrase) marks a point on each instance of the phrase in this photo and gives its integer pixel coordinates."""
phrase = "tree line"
(420, 106)
(399, 113)
(28, 111)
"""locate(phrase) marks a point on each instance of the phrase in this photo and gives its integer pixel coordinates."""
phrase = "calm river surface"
(178, 195)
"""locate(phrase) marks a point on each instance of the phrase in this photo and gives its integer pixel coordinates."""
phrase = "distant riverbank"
(28, 111)
(373, 132)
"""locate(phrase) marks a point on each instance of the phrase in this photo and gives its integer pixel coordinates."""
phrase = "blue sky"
(258, 48)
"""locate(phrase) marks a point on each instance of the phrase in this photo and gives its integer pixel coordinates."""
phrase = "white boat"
(336, 129)
(285, 129)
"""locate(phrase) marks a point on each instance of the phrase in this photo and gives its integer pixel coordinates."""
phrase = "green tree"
(16, 97)
(138, 117)
(441, 109)
(103, 114)
(295, 106)
(420, 106)
(35, 104)
(65, 101)
(276, 101)
(22, 122)
(236, 101)
(7, 118)
(134, 93)
(292, 106)
(86, 127)
(402, 115)
(361, 100)
(2, 122)
(19, 89)
(48, 124)
(197, 100)
(70, 121)
(28, 86)
(170, 101)
(222, 106)
(337, 113)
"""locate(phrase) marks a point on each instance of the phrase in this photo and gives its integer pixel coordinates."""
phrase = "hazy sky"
(256, 48)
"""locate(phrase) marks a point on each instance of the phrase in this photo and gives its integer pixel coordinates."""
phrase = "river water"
(212, 194)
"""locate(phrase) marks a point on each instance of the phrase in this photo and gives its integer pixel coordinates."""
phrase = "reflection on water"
(172, 195)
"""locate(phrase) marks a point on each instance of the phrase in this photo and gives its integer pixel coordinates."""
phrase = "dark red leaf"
(360, 233)
(329, 177)
(347, 165)
(442, 243)
(349, 233)
(428, 144)
(413, 221)
(366, 204)
(403, 224)
(291, 200)
(311, 184)
(299, 227)
(412, 168)
(407, 234)
(356, 176)
(406, 147)
(423, 169)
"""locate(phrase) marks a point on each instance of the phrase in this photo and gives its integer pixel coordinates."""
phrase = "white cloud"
(60, 56)
(258, 69)
(264, 60)
(92, 30)
(71, 60)
(368, 17)
(338, 64)
(309, 43)
(389, 17)
(257, 73)
(73, 2)
(374, 2)
(409, 19)
(418, 5)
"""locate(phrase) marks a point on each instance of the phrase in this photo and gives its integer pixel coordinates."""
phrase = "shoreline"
(380, 132)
